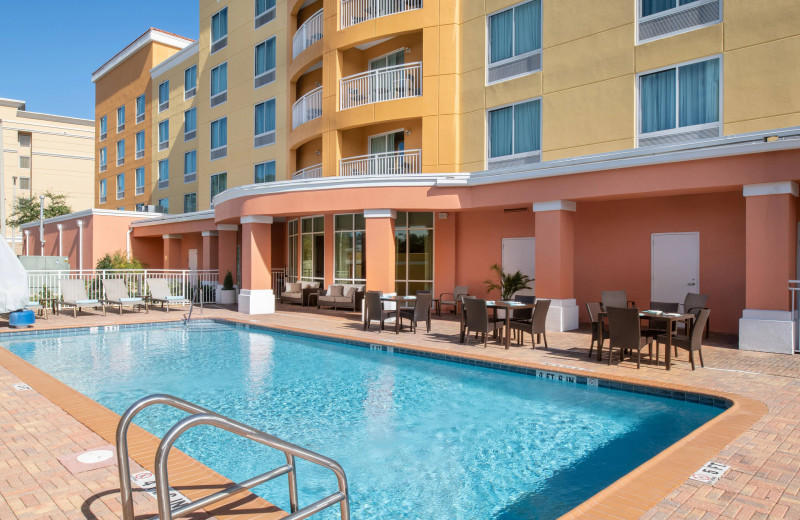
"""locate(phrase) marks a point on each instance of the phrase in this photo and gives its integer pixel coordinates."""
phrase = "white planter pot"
(227, 297)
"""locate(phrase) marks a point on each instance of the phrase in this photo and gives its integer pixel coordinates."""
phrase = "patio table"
(670, 318)
(398, 300)
(500, 304)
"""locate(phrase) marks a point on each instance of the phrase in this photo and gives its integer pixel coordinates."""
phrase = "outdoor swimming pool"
(418, 437)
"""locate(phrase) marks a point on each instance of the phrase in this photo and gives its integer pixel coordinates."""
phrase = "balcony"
(384, 84)
(354, 12)
(307, 34)
(307, 108)
(386, 163)
(310, 172)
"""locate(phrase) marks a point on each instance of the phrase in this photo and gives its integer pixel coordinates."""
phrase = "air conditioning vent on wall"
(192, 92)
(162, 185)
(704, 14)
(219, 44)
(140, 119)
(264, 139)
(680, 137)
(219, 153)
(495, 164)
(163, 106)
(514, 67)
(265, 17)
(163, 145)
(139, 154)
(219, 99)
(263, 79)
(190, 177)
(188, 136)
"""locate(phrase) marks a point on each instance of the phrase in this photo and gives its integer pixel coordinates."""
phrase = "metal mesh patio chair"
(374, 311)
(616, 299)
(693, 304)
(454, 298)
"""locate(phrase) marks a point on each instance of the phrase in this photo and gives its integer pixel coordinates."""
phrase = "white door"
(675, 264)
(519, 254)
(193, 259)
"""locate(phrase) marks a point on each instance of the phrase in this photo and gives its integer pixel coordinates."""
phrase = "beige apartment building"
(43, 152)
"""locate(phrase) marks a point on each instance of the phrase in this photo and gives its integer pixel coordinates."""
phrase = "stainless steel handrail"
(203, 416)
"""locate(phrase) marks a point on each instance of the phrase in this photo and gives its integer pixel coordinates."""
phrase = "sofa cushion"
(292, 288)
(327, 299)
(351, 291)
(297, 295)
(310, 285)
(343, 299)
(335, 290)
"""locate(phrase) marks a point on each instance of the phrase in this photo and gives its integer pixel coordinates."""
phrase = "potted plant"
(508, 284)
(228, 293)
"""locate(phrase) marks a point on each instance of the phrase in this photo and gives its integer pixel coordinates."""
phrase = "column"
(380, 245)
(172, 251)
(555, 264)
(210, 250)
(256, 296)
(771, 261)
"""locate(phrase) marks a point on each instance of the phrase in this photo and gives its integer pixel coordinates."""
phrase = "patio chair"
(535, 327)
(374, 311)
(455, 298)
(478, 321)
(73, 295)
(616, 299)
(624, 333)
(117, 294)
(420, 312)
(658, 327)
(36, 305)
(522, 314)
(159, 292)
(692, 342)
(594, 309)
(693, 304)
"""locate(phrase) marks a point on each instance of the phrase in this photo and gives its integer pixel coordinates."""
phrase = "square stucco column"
(210, 250)
(172, 251)
(256, 296)
(380, 249)
(767, 324)
(555, 262)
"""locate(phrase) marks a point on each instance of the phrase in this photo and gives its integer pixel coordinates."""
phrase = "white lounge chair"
(73, 295)
(159, 292)
(117, 294)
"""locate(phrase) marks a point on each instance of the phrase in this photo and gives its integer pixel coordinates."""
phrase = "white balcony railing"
(387, 163)
(307, 108)
(310, 172)
(385, 84)
(307, 34)
(357, 11)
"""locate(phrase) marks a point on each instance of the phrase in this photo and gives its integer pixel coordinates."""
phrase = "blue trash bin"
(21, 319)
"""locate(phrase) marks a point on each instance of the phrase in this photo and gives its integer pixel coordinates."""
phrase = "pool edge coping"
(630, 496)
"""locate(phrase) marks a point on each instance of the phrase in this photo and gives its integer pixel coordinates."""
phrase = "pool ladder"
(200, 416)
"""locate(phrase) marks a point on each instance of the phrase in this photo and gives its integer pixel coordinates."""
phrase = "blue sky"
(51, 47)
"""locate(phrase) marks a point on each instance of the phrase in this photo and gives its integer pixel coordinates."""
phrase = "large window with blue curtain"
(163, 92)
(189, 163)
(139, 107)
(103, 127)
(102, 191)
(219, 25)
(139, 180)
(163, 131)
(140, 142)
(515, 31)
(265, 117)
(189, 202)
(515, 129)
(265, 57)
(219, 79)
(262, 6)
(219, 133)
(120, 151)
(120, 118)
(659, 6)
(190, 120)
(265, 172)
(163, 170)
(120, 186)
(103, 157)
(219, 183)
(190, 78)
(680, 97)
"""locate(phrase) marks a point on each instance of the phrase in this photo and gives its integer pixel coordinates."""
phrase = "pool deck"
(759, 437)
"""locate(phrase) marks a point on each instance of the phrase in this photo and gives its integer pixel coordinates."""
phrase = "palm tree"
(508, 283)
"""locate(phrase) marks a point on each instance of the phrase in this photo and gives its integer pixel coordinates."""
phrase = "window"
(265, 62)
(164, 205)
(140, 144)
(219, 30)
(515, 41)
(140, 207)
(515, 130)
(265, 11)
(103, 127)
(163, 174)
(219, 138)
(190, 166)
(189, 202)
(291, 253)
(24, 140)
(190, 82)
(682, 102)
(313, 243)
(265, 123)
(265, 172)
(140, 109)
(25, 161)
(120, 152)
(414, 245)
(163, 135)
(139, 179)
(120, 186)
(25, 183)
(163, 96)
(219, 183)
(101, 192)
(121, 119)
(349, 256)
(190, 124)
(219, 84)
(103, 158)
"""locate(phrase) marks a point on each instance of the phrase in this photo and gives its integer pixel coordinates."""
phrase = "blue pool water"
(418, 438)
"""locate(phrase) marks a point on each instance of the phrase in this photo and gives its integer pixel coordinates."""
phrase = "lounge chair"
(594, 308)
(692, 342)
(73, 295)
(374, 311)
(159, 292)
(536, 326)
(477, 320)
(117, 294)
(616, 299)
(455, 298)
(35, 305)
(624, 333)
(420, 312)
